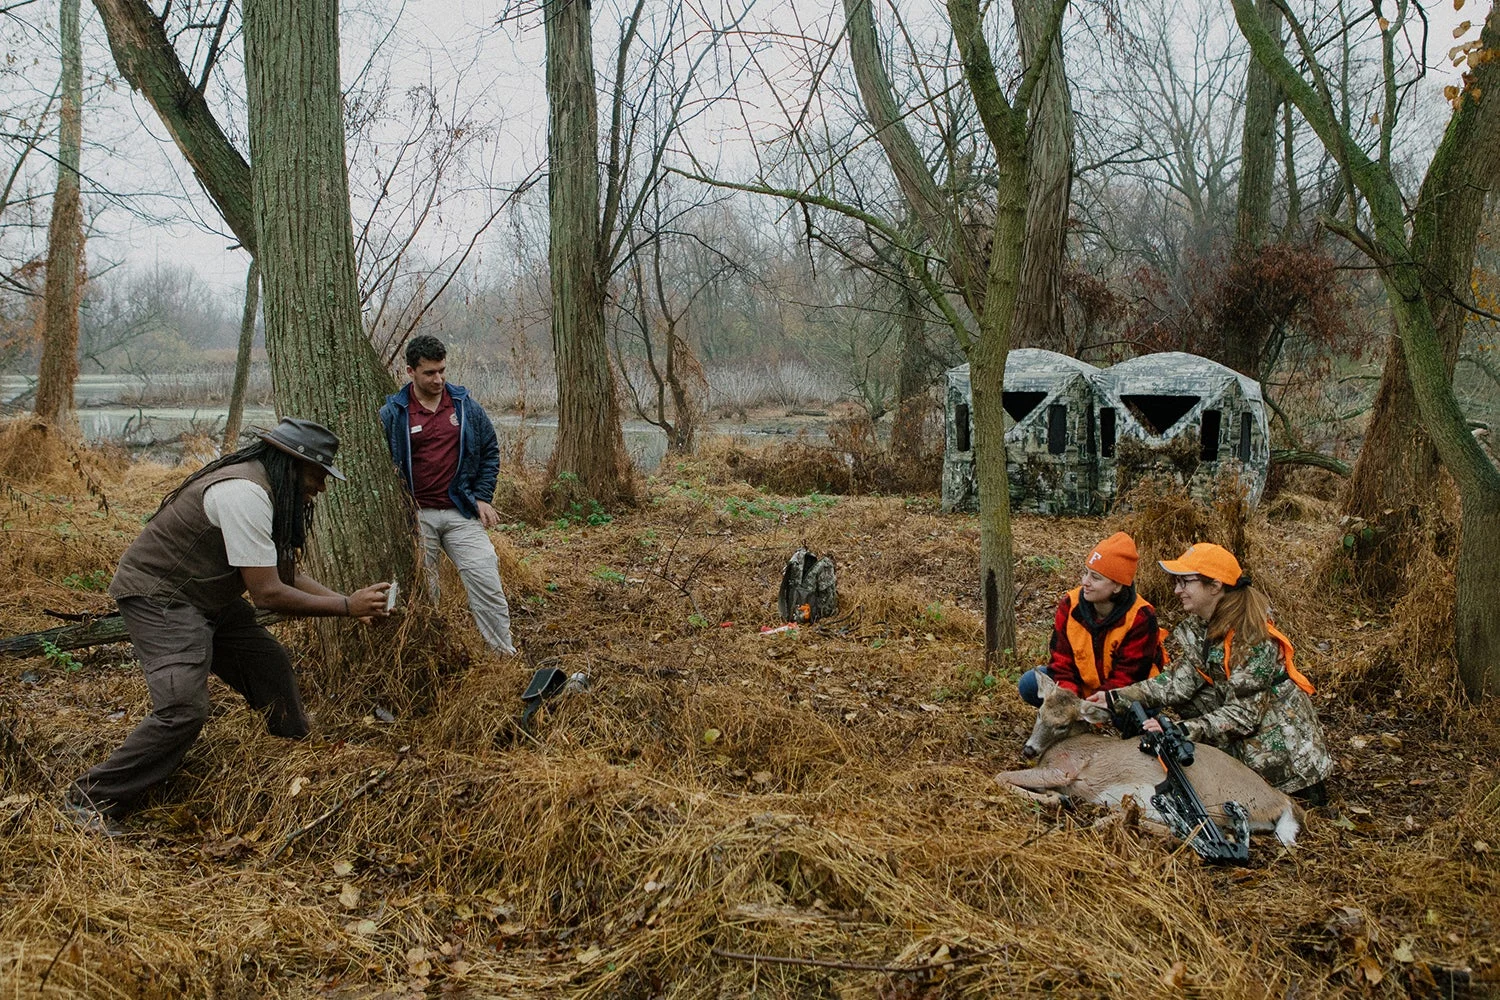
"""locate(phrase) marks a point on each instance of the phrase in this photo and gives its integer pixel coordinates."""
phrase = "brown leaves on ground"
(714, 791)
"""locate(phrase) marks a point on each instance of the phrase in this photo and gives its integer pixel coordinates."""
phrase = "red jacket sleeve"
(1064, 671)
(1139, 651)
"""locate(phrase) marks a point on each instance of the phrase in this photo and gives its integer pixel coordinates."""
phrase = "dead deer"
(1074, 760)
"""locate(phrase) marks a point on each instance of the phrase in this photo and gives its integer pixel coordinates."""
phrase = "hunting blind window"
(1057, 428)
(1244, 437)
(1208, 436)
(1159, 414)
(1107, 431)
(961, 425)
(1020, 404)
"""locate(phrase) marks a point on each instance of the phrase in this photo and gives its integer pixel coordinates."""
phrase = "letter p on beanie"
(1115, 559)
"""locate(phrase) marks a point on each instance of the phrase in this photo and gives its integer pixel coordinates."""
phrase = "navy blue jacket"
(478, 448)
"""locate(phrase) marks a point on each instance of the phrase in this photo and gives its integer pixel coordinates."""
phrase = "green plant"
(1047, 564)
(60, 657)
(697, 621)
(933, 612)
(609, 575)
(95, 579)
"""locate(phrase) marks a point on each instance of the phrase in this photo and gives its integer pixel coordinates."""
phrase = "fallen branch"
(1298, 456)
(333, 810)
(88, 632)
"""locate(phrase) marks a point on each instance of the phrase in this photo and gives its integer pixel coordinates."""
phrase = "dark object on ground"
(546, 682)
(1175, 797)
(808, 588)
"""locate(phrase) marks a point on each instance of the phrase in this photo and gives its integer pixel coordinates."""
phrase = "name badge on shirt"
(416, 428)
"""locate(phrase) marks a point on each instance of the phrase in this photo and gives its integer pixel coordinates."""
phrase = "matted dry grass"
(824, 796)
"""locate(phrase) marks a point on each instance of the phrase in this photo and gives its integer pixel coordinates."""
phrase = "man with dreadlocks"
(238, 523)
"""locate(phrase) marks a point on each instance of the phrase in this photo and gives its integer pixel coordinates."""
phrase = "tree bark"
(590, 442)
(1049, 168)
(65, 263)
(322, 366)
(911, 373)
(146, 59)
(242, 357)
(1258, 142)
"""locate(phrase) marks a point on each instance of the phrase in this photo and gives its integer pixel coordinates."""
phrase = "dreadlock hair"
(291, 511)
(1245, 611)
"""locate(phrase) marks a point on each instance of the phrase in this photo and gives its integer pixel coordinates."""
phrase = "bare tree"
(65, 263)
(1425, 265)
(322, 366)
(242, 357)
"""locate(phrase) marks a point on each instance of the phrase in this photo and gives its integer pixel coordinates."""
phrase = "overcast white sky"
(496, 73)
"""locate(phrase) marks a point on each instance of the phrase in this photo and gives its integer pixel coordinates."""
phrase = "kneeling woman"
(1234, 684)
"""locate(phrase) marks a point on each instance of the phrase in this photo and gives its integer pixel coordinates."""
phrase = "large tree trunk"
(59, 367)
(590, 443)
(1049, 165)
(242, 357)
(1258, 142)
(322, 367)
(146, 59)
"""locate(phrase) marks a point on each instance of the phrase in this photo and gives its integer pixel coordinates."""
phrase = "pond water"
(157, 431)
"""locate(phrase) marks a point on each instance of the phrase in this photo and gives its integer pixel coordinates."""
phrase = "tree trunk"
(242, 358)
(590, 443)
(1258, 142)
(1477, 580)
(911, 373)
(59, 366)
(322, 366)
(146, 59)
(1049, 165)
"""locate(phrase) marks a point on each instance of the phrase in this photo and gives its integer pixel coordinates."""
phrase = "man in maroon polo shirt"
(445, 448)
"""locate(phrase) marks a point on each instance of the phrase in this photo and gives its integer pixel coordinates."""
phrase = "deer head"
(1062, 714)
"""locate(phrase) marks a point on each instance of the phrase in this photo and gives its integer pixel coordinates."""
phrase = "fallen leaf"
(1403, 952)
(1174, 977)
(459, 968)
(1390, 741)
(297, 784)
(927, 707)
(417, 962)
(761, 777)
(590, 956)
(711, 736)
(1359, 742)
(342, 868)
(349, 897)
(1371, 970)
(363, 928)
(1480, 847)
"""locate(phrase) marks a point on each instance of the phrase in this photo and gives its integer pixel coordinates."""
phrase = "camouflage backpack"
(807, 588)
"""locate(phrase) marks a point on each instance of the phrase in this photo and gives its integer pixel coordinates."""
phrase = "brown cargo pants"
(178, 646)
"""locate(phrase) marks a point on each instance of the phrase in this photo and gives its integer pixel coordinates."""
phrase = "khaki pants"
(473, 555)
(179, 645)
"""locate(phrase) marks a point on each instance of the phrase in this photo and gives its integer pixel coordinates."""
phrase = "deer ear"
(1045, 685)
(1094, 713)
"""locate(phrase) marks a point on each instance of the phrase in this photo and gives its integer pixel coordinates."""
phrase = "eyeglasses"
(1183, 581)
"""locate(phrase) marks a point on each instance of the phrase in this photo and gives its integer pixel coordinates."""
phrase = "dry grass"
(824, 794)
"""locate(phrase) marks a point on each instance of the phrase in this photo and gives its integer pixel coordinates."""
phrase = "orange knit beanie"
(1115, 558)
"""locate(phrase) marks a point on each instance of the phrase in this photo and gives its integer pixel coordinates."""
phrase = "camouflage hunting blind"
(1077, 436)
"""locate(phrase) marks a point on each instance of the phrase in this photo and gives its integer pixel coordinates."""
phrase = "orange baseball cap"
(1115, 558)
(1206, 559)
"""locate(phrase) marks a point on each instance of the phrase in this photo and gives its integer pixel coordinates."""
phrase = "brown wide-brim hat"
(307, 440)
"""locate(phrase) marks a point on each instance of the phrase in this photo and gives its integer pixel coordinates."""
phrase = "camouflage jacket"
(1256, 714)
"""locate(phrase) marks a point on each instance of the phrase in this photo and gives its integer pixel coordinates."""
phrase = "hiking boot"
(90, 820)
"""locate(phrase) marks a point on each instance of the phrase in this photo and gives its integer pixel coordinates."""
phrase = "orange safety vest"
(1281, 640)
(1082, 641)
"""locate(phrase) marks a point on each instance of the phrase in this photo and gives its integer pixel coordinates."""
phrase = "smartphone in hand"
(390, 596)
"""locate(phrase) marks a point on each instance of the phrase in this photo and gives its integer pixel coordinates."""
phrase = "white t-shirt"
(242, 511)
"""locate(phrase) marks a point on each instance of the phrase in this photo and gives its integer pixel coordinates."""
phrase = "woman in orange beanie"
(1104, 635)
(1234, 683)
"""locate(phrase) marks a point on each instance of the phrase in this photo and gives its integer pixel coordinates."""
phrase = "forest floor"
(721, 812)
